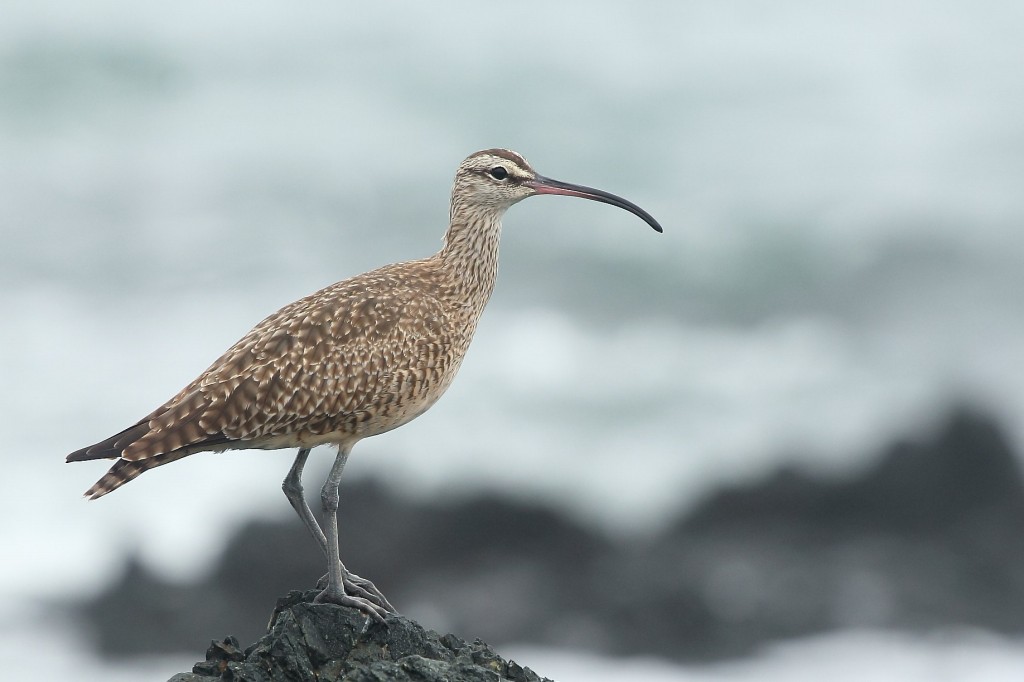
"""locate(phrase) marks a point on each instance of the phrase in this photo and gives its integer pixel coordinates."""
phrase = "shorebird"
(355, 359)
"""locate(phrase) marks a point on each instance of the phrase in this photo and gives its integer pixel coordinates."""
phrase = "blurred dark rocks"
(307, 641)
(930, 536)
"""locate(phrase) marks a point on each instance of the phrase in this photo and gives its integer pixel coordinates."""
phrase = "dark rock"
(966, 471)
(930, 536)
(322, 642)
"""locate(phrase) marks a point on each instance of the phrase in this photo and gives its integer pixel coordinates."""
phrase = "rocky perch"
(307, 641)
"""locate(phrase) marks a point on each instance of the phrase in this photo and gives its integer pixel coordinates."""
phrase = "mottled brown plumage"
(355, 359)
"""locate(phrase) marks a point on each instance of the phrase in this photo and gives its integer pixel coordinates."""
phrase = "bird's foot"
(332, 595)
(366, 589)
(360, 588)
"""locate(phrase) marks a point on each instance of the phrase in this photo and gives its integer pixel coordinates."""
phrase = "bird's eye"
(499, 173)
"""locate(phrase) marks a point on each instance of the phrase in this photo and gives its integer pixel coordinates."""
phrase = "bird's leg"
(292, 487)
(352, 583)
(344, 587)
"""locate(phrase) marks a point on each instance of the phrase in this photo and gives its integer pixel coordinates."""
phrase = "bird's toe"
(334, 596)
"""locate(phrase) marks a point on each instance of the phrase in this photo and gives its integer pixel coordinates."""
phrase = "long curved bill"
(542, 185)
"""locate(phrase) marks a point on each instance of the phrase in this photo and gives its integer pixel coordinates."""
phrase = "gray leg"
(352, 583)
(292, 487)
(344, 587)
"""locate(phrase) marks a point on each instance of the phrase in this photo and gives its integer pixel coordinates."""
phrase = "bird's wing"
(319, 365)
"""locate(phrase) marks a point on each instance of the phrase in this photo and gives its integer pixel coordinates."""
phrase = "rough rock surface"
(307, 641)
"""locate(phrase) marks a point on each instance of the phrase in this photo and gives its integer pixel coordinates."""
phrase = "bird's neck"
(470, 254)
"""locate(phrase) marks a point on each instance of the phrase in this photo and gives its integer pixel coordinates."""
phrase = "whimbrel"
(356, 359)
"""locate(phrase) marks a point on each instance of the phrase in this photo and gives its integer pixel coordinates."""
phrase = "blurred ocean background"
(843, 260)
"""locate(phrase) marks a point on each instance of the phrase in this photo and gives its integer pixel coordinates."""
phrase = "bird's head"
(492, 180)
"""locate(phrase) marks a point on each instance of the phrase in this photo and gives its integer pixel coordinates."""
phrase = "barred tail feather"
(125, 470)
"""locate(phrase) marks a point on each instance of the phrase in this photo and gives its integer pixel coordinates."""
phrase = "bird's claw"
(358, 588)
(332, 596)
(367, 590)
